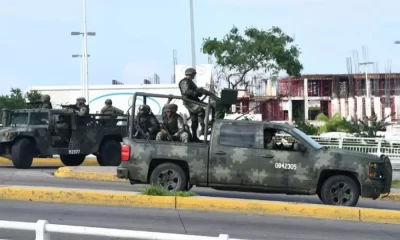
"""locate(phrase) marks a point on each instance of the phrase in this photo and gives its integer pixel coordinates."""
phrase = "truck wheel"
(169, 176)
(22, 153)
(109, 153)
(72, 160)
(340, 190)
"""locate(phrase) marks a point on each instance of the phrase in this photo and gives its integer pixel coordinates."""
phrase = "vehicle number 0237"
(286, 166)
(74, 151)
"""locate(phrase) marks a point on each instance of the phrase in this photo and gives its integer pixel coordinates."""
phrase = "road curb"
(67, 172)
(50, 162)
(115, 198)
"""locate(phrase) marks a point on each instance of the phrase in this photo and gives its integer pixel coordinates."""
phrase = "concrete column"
(388, 111)
(305, 84)
(359, 107)
(290, 110)
(343, 107)
(351, 105)
(397, 106)
(368, 106)
(378, 107)
(335, 106)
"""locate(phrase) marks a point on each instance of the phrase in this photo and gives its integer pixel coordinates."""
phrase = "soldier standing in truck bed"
(46, 102)
(189, 90)
(109, 109)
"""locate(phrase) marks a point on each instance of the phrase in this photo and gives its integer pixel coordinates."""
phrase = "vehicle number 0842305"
(286, 166)
(74, 151)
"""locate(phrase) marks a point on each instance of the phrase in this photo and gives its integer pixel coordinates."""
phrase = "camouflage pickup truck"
(238, 157)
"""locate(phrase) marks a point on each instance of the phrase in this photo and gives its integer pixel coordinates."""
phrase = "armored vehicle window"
(19, 118)
(39, 118)
(238, 136)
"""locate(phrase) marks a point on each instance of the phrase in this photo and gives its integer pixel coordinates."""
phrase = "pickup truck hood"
(338, 155)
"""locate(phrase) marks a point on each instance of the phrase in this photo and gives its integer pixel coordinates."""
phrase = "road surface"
(43, 177)
(190, 222)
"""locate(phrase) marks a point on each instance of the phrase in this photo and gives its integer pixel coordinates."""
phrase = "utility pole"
(192, 37)
(367, 83)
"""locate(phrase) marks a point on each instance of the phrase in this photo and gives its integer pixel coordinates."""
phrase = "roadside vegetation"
(396, 184)
(158, 191)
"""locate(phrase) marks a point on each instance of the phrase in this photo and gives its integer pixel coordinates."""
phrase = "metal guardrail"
(43, 231)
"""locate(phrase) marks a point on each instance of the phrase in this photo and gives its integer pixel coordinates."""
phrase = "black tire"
(177, 181)
(72, 160)
(109, 153)
(22, 153)
(340, 190)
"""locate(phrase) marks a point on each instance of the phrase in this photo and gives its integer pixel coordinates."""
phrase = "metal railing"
(43, 231)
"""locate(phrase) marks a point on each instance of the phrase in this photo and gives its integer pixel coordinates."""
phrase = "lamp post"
(82, 72)
(368, 109)
(192, 41)
(85, 90)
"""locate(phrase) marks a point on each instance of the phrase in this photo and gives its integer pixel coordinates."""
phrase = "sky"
(135, 39)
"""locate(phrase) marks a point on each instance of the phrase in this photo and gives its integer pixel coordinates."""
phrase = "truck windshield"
(19, 118)
(311, 141)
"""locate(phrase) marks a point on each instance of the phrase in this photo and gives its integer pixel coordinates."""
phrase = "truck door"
(231, 159)
(280, 165)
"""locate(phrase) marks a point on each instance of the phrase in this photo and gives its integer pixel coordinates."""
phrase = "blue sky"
(136, 38)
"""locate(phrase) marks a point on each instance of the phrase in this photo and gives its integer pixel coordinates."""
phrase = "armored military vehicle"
(38, 133)
(240, 156)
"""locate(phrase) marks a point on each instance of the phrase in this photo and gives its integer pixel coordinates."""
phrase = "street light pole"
(82, 72)
(192, 36)
(85, 52)
(368, 109)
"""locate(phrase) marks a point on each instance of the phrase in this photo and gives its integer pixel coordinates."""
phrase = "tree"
(257, 50)
(33, 96)
(335, 124)
(367, 127)
(16, 100)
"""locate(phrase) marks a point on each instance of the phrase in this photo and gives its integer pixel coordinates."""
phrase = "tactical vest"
(171, 124)
(192, 86)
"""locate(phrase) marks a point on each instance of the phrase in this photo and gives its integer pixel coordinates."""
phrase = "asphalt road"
(187, 222)
(43, 177)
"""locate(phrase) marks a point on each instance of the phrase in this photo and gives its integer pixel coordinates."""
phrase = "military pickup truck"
(39, 133)
(240, 157)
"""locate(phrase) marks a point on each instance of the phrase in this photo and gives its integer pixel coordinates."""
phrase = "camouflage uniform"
(147, 122)
(174, 124)
(83, 109)
(46, 102)
(62, 129)
(189, 90)
(110, 109)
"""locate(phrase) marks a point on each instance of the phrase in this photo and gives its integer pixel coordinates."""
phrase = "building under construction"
(351, 95)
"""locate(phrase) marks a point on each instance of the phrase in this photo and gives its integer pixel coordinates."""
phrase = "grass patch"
(396, 184)
(158, 191)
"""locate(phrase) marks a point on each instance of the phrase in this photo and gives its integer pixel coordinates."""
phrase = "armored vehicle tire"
(340, 190)
(22, 153)
(169, 176)
(109, 153)
(72, 160)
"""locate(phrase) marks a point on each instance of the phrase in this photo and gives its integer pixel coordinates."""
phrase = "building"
(308, 95)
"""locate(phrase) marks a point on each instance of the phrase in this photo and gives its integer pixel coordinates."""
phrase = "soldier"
(173, 123)
(62, 129)
(147, 122)
(110, 109)
(83, 109)
(269, 143)
(46, 102)
(189, 90)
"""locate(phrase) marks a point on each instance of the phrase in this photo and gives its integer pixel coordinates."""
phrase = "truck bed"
(193, 155)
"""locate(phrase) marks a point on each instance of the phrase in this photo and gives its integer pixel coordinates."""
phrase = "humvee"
(237, 158)
(33, 133)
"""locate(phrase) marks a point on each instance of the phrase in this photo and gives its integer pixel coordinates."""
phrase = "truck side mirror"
(299, 147)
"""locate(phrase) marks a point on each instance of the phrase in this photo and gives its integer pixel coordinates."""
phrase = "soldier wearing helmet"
(189, 90)
(46, 102)
(147, 122)
(109, 109)
(83, 109)
(172, 124)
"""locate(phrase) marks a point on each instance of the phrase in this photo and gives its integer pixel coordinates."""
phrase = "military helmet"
(167, 107)
(81, 99)
(190, 71)
(46, 97)
(174, 107)
(144, 108)
(108, 101)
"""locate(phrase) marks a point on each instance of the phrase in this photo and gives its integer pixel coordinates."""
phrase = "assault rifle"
(35, 104)
(169, 136)
(140, 130)
(70, 106)
(208, 93)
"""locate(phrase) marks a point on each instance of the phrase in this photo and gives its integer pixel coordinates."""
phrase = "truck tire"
(340, 190)
(169, 176)
(72, 160)
(22, 153)
(109, 153)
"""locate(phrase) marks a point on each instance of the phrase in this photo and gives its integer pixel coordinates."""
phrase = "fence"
(43, 230)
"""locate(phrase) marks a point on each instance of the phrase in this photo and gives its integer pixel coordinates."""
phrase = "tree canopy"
(16, 99)
(257, 50)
